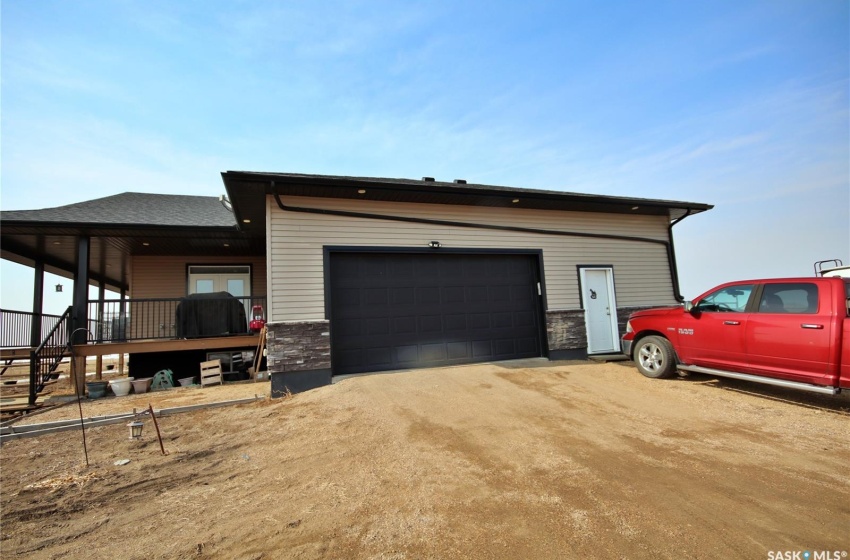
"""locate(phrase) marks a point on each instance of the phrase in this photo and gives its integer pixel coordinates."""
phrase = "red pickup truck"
(791, 332)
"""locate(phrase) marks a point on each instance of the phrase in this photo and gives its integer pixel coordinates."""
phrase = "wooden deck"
(143, 346)
(158, 345)
(16, 403)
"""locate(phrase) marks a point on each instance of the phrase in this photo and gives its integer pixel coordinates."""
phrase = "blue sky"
(739, 104)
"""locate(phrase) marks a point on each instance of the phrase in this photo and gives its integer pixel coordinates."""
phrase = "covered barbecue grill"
(212, 314)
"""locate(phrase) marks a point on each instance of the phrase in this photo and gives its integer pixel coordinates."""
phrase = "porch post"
(98, 370)
(122, 313)
(79, 315)
(37, 304)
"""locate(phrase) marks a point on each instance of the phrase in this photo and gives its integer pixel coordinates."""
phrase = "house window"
(236, 280)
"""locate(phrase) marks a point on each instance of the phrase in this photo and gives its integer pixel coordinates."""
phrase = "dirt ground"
(531, 459)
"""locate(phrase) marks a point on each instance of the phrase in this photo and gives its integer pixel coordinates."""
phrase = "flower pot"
(142, 385)
(96, 389)
(186, 381)
(121, 387)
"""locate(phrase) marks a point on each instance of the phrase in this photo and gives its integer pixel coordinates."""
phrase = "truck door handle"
(811, 326)
(731, 322)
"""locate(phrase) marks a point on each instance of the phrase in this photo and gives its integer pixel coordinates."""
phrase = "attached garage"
(372, 274)
(398, 310)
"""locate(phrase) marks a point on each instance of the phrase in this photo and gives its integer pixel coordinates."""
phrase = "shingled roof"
(132, 209)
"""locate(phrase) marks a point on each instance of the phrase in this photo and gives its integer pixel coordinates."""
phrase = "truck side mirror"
(689, 306)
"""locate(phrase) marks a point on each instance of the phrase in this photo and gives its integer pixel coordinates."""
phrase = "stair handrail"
(36, 383)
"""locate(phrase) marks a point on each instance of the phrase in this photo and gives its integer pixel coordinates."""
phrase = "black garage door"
(403, 310)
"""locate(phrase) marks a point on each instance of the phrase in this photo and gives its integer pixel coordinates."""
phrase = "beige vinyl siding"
(295, 242)
(165, 277)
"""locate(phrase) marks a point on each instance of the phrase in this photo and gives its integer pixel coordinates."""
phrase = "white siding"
(295, 242)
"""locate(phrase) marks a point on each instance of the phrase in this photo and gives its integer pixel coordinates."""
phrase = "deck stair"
(44, 362)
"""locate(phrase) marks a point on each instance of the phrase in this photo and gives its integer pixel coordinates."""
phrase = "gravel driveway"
(530, 459)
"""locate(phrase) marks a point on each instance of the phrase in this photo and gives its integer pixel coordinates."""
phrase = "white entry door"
(600, 310)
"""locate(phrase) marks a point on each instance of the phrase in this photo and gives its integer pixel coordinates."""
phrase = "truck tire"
(654, 357)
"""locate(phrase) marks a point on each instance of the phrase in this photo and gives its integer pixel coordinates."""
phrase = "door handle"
(731, 322)
(811, 326)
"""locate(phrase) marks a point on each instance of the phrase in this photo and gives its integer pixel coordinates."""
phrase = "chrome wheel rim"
(651, 357)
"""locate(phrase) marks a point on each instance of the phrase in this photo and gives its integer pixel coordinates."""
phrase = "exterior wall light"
(58, 287)
(434, 244)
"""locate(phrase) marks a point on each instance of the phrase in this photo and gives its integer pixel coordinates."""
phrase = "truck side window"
(797, 297)
(732, 299)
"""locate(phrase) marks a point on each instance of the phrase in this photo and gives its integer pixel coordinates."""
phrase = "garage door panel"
(403, 296)
(482, 349)
(402, 266)
(504, 347)
(394, 311)
(479, 321)
(457, 350)
(451, 268)
(376, 296)
(374, 267)
(454, 294)
(476, 294)
(455, 323)
(499, 294)
(353, 357)
(426, 269)
(377, 358)
(407, 354)
(501, 320)
(403, 325)
(521, 294)
(346, 328)
(525, 345)
(428, 296)
(347, 297)
(523, 319)
(431, 324)
(378, 326)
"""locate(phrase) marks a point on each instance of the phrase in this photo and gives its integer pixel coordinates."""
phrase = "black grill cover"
(213, 314)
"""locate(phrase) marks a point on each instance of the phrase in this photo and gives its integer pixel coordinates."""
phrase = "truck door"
(713, 333)
(787, 337)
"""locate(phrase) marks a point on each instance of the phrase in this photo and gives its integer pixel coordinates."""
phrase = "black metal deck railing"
(125, 320)
(16, 328)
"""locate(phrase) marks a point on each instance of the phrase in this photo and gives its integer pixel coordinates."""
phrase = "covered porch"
(125, 245)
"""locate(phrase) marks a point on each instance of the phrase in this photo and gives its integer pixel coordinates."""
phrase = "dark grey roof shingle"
(138, 209)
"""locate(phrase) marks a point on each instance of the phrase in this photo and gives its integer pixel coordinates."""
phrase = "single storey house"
(359, 274)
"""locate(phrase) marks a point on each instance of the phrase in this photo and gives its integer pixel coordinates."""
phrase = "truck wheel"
(654, 357)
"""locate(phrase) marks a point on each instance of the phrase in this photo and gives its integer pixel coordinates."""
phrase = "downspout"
(671, 257)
